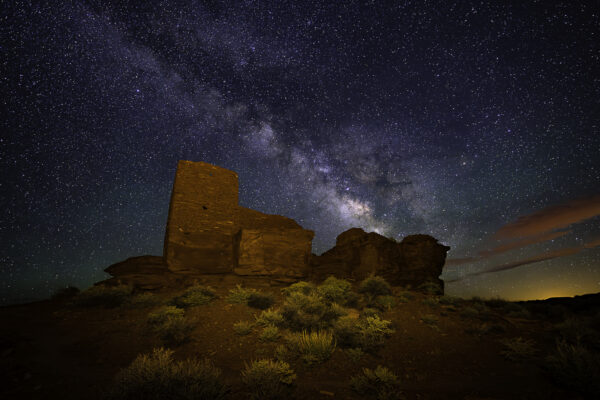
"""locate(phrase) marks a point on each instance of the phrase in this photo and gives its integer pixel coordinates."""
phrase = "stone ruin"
(209, 234)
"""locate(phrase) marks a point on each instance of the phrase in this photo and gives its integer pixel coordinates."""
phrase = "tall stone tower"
(201, 226)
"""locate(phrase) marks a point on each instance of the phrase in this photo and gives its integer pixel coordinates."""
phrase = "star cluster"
(453, 119)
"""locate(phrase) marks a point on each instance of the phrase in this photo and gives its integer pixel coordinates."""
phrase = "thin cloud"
(551, 218)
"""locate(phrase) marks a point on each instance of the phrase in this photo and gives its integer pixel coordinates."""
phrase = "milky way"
(451, 119)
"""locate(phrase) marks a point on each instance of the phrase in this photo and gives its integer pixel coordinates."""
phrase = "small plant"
(195, 296)
(576, 331)
(367, 333)
(269, 334)
(404, 296)
(106, 296)
(262, 301)
(449, 300)
(240, 295)
(314, 347)
(335, 290)
(65, 293)
(268, 379)
(517, 349)
(301, 287)
(242, 328)
(282, 353)
(576, 367)
(431, 288)
(431, 302)
(370, 312)
(355, 354)
(144, 300)
(310, 312)
(156, 376)
(374, 286)
(170, 324)
(270, 317)
(381, 382)
(430, 320)
(385, 303)
(469, 312)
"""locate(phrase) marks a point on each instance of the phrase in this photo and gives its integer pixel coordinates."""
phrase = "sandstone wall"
(201, 224)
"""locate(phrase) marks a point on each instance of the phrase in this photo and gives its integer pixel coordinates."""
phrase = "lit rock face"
(208, 233)
(416, 260)
(201, 224)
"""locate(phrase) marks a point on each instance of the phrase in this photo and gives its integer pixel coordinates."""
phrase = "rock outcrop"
(144, 272)
(208, 233)
(416, 260)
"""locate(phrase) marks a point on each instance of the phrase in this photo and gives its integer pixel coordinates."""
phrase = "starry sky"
(475, 122)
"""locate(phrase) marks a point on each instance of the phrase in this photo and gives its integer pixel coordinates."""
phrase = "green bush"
(242, 328)
(576, 367)
(270, 317)
(355, 354)
(268, 379)
(299, 287)
(65, 293)
(262, 301)
(310, 312)
(106, 296)
(429, 319)
(240, 295)
(380, 382)
(144, 300)
(370, 312)
(156, 377)
(195, 296)
(404, 296)
(577, 330)
(335, 290)
(367, 333)
(384, 303)
(314, 347)
(374, 286)
(170, 324)
(517, 349)
(270, 333)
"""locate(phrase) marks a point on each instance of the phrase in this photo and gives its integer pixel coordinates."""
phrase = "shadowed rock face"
(144, 272)
(416, 260)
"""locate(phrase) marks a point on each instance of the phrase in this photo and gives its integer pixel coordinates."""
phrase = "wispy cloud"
(551, 218)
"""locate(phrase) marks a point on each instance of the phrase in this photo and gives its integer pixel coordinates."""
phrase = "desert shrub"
(352, 299)
(370, 312)
(270, 333)
(282, 353)
(299, 287)
(268, 379)
(270, 317)
(157, 376)
(65, 293)
(239, 295)
(430, 302)
(335, 290)
(170, 324)
(576, 367)
(577, 330)
(429, 319)
(431, 288)
(262, 301)
(355, 354)
(242, 328)
(310, 312)
(449, 300)
(517, 349)
(404, 296)
(106, 296)
(380, 382)
(367, 333)
(384, 303)
(374, 286)
(144, 300)
(469, 312)
(314, 347)
(195, 296)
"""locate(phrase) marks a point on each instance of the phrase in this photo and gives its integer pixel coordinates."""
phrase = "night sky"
(476, 123)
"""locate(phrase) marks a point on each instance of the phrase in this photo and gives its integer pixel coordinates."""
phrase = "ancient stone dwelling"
(209, 234)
